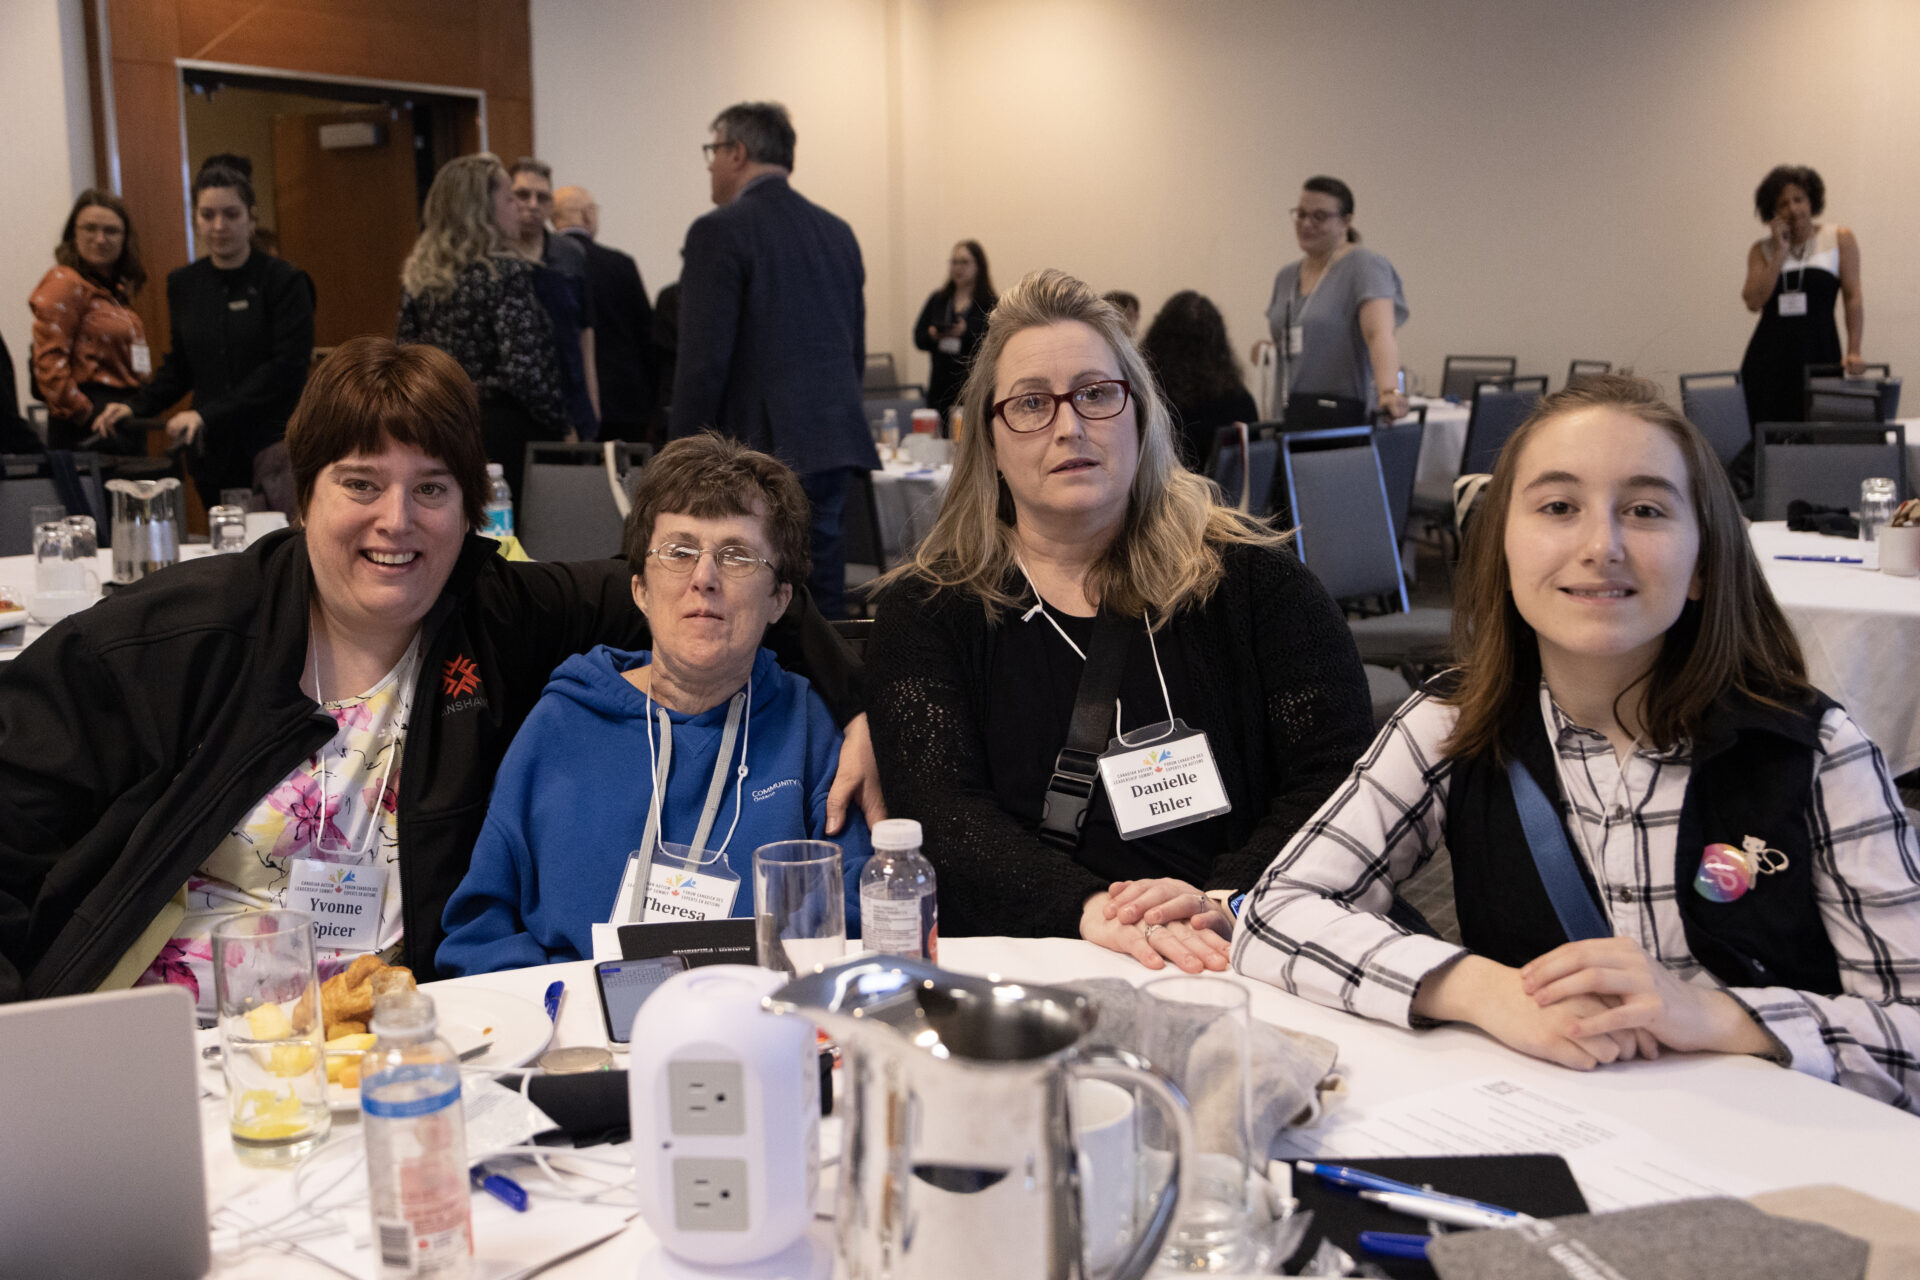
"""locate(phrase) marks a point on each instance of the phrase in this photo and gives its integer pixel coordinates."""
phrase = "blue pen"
(500, 1187)
(555, 992)
(1824, 559)
(1340, 1175)
(1394, 1244)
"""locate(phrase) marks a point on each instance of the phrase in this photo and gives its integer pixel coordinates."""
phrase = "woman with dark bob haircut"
(1739, 874)
(89, 346)
(1794, 275)
(657, 750)
(339, 693)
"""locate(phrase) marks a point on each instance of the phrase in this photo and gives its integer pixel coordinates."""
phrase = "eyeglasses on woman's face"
(733, 561)
(1318, 217)
(1035, 410)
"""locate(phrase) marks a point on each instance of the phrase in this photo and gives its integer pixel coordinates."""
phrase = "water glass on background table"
(40, 515)
(64, 580)
(227, 528)
(1198, 1031)
(799, 905)
(273, 1046)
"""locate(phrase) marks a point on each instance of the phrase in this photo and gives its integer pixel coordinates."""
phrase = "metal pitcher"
(959, 1159)
(146, 526)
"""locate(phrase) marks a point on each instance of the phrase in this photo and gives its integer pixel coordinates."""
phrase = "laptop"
(101, 1168)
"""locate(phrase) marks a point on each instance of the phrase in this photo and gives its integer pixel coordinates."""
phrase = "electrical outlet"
(707, 1098)
(709, 1195)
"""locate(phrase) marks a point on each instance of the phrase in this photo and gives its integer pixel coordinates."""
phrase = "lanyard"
(1806, 255)
(405, 672)
(1040, 607)
(660, 764)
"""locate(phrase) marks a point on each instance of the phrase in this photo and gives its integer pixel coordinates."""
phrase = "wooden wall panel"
(468, 44)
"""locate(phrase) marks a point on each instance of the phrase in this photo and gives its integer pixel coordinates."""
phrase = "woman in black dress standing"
(242, 337)
(953, 322)
(1794, 276)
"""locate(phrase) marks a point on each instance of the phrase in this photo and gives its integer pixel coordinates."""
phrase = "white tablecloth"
(16, 574)
(1441, 445)
(1859, 629)
(1777, 1127)
(906, 498)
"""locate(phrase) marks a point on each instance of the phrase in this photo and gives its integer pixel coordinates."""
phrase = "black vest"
(1752, 774)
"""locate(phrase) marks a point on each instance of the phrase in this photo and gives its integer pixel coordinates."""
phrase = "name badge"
(142, 358)
(1161, 777)
(677, 886)
(1296, 339)
(237, 304)
(343, 898)
(950, 346)
(1793, 302)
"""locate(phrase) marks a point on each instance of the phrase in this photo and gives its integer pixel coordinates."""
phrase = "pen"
(500, 1187)
(555, 992)
(1340, 1175)
(1392, 1244)
(1823, 559)
(1451, 1212)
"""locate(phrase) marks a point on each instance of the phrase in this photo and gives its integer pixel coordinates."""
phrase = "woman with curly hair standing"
(467, 292)
(1794, 276)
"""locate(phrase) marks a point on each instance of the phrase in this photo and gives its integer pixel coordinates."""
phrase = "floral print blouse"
(494, 325)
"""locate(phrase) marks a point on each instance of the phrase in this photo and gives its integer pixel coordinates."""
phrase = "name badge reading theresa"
(342, 897)
(1296, 339)
(1793, 302)
(1161, 777)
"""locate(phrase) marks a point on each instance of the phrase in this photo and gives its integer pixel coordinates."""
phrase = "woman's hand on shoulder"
(1644, 996)
(1165, 901)
(857, 780)
(1193, 950)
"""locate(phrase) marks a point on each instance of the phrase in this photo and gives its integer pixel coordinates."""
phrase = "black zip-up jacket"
(136, 734)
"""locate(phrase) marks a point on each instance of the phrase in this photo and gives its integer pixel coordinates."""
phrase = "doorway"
(340, 171)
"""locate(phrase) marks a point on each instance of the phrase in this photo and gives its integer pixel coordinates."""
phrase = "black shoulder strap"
(1076, 771)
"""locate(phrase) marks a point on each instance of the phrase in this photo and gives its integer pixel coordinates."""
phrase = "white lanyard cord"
(406, 673)
(1040, 607)
(742, 714)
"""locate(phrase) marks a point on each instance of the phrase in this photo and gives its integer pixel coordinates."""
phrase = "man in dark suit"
(773, 327)
(622, 320)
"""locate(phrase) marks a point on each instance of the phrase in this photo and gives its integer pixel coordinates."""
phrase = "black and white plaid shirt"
(1315, 923)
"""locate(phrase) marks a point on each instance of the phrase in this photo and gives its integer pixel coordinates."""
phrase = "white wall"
(1553, 178)
(46, 136)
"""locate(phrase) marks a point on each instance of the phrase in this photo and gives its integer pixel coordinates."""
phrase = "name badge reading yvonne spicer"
(342, 897)
(1161, 777)
(142, 358)
(1793, 302)
(1296, 339)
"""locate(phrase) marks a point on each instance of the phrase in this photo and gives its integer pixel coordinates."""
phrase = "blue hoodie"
(570, 803)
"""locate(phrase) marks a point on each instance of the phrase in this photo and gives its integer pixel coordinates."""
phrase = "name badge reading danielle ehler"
(1160, 777)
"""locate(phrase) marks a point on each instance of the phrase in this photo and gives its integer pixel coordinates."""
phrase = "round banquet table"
(1859, 630)
(1776, 1127)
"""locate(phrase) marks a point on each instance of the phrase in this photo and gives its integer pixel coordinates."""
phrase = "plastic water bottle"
(899, 910)
(498, 512)
(416, 1138)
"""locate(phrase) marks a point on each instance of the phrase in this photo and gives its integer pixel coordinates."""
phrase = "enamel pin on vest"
(1726, 873)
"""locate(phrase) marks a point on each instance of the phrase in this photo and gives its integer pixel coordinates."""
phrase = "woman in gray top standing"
(1334, 312)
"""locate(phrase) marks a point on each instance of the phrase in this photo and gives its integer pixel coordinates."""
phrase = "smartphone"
(624, 987)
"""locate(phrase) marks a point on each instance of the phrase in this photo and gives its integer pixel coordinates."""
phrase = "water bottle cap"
(404, 1013)
(496, 470)
(896, 834)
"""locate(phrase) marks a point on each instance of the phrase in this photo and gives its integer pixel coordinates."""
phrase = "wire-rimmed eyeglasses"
(733, 561)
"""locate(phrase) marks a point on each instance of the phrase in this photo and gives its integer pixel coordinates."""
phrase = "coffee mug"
(1899, 549)
(1107, 1134)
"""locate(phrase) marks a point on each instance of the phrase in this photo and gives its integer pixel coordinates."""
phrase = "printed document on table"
(1617, 1165)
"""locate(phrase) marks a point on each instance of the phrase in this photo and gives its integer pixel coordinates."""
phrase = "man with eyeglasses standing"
(773, 327)
(561, 283)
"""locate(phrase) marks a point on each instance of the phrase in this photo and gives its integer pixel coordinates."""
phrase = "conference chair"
(854, 633)
(1833, 395)
(574, 500)
(1498, 408)
(1308, 411)
(1344, 533)
(1460, 374)
(878, 371)
(865, 549)
(1249, 476)
(1579, 369)
(1824, 462)
(1717, 404)
(26, 482)
(1398, 445)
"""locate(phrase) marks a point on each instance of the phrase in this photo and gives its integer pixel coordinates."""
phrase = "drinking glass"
(799, 905)
(1197, 1032)
(1877, 501)
(64, 580)
(45, 515)
(273, 1046)
(227, 528)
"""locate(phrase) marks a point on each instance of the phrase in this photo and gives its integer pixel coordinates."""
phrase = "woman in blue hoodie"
(642, 782)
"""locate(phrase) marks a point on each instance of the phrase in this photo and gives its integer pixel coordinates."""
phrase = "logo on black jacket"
(460, 677)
